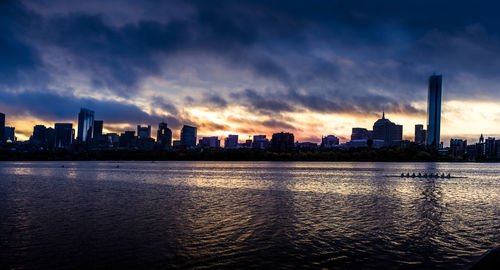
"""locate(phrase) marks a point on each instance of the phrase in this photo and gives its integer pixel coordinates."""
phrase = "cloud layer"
(143, 61)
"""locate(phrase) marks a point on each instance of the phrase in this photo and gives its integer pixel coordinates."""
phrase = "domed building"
(389, 132)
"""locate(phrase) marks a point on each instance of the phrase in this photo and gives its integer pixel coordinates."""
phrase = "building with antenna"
(387, 131)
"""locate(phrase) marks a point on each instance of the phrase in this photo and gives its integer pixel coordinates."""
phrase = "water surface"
(245, 215)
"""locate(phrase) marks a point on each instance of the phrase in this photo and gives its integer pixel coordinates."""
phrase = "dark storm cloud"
(275, 124)
(53, 107)
(162, 103)
(20, 62)
(258, 102)
(323, 56)
(214, 100)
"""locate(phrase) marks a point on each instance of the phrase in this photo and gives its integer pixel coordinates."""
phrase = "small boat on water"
(425, 175)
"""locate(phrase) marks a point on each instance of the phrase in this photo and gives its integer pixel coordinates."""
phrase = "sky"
(312, 68)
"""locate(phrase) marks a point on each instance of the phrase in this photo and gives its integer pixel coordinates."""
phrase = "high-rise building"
(51, 137)
(188, 136)
(260, 142)
(164, 135)
(64, 134)
(458, 147)
(420, 134)
(128, 139)
(10, 134)
(360, 134)
(85, 125)
(231, 142)
(98, 126)
(143, 132)
(434, 111)
(385, 130)
(282, 141)
(39, 136)
(489, 148)
(209, 142)
(2, 127)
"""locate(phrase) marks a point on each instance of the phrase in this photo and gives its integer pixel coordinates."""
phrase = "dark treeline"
(385, 154)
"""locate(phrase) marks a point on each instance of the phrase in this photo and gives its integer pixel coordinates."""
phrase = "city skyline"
(232, 69)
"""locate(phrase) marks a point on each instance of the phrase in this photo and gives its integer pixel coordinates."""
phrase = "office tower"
(39, 136)
(143, 132)
(112, 139)
(128, 139)
(489, 148)
(260, 142)
(2, 127)
(420, 134)
(458, 147)
(385, 130)
(176, 144)
(85, 125)
(64, 134)
(231, 142)
(329, 141)
(282, 141)
(434, 111)
(209, 142)
(164, 135)
(98, 126)
(188, 136)
(360, 134)
(10, 134)
(50, 135)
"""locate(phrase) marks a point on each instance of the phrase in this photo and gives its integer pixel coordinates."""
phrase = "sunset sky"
(250, 67)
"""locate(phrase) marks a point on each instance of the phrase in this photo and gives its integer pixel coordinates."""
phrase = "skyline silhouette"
(250, 67)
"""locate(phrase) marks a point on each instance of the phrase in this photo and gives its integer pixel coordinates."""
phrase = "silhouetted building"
(2, 128)
(231, 142)
(497, 148)
(164, 136)
(128, 139)
(260, 142)
(85, 125)
(434, 111)
(176, 144)
(209, 142)
(282, 141)
(39, 136)
(112, 139)
(360, 134)
(307, 146)
(247, 144)
(10, 134)
(458, 147)
(98, 126)
(489, 148)
(64, 134)
(420, 134)
(188, 136)
(143, 132)
(385, 130)
(329, 141)
(51, 137)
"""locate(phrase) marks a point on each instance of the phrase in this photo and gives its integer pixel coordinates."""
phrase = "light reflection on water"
(242, 214)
